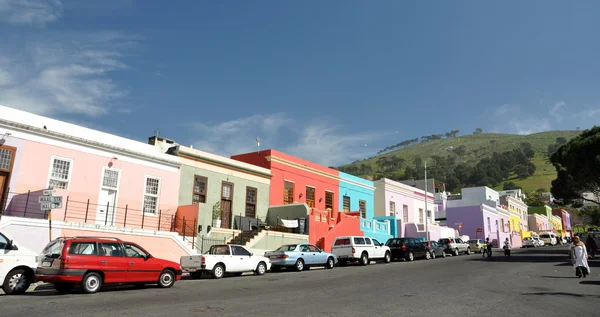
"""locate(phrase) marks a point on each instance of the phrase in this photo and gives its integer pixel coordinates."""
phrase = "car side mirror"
(11, 245)
(148, 256)
(251, 254)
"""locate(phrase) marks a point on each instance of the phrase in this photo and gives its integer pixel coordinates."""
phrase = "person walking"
(487, 249)
(579, 257)
(591, 245)
(507, 247)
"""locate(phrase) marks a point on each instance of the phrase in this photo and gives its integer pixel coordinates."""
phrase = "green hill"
(471, 160)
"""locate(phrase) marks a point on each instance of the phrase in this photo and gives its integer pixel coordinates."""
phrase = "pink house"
(538, 223)
(103, 179)
(407, 205)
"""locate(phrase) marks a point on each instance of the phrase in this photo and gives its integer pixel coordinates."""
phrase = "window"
(346, 203)
(288, 193)
(83, 248)
(367, 241)
(362, 207)
(359, 241)
(199, 191)
(489, 225)
(429, 219)
(496, 225)
(344, 241)
(310, 196)
(405, 213)
(377, 243)
(110, 249)
(312, 248)
(226, 191)
(329, 200)
(3, 242)
(60, 173)
(251, 193)
(421, 216)
(6, 157)
(237, 250)
(133, 251)
(392, 208)
(151, 195)
(503, 226)
(304, 248)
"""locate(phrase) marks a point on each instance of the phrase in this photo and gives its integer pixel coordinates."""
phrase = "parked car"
(530, 242)
(436, 250)
(17, 266)
(548, 238)
(95, 261)
(408, 248)
(454, 246)
(477, 245)
(300, 257)
(360, 249)
(539, 241)
(223, 259)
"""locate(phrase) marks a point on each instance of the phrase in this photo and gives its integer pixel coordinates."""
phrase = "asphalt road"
(534, 282)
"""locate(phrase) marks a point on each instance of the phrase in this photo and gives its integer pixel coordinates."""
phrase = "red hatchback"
(94, 261)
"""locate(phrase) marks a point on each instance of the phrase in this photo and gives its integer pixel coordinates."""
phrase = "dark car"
(408, 248)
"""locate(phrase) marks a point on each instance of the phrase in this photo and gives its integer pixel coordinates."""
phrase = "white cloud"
(38, 12)
(558, 110)
(520, 121)
(320, 142)
(63, 73)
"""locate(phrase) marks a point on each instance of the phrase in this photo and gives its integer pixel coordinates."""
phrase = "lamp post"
(426, 211)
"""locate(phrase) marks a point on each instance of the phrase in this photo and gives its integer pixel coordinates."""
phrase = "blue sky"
(317, 79)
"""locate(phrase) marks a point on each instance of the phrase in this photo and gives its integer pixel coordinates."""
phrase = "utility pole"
(426, 212)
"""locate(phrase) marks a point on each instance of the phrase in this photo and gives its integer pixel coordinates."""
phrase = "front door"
(141, 269)
(112, 262)
(106, 207)
(226, 204)
(3, 188)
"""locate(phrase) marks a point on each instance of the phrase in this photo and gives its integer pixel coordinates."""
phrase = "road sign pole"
(50, 224)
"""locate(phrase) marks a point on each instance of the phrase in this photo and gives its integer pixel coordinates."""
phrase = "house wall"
(85, 181)
(323, 232)
(538, 222)
(216, 176)
(272, 240)
(565, 218)
(543, 210)
(471, 218)
(357, 189)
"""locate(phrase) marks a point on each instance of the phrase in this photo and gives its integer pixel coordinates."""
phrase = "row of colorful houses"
(114, 181)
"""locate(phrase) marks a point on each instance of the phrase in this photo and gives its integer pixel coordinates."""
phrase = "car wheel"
(443, 254)
(299, 265)
(63, 287)
(410, 256)
(456, 252)
(387, 258)
(218, 271)
(91, 283)
(330, 263)
(364, 258)
(16, 282)
(433, 254)
(166, 279)
(261, 268)
(427, 255)
(468, 251)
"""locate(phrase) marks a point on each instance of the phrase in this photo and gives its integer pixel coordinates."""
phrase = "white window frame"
(117, 189)
(155, 214)
(71, 165)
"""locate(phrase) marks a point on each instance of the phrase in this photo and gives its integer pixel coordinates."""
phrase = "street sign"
(479, 230)
(49, 206)
(49, 192)
(50, 199)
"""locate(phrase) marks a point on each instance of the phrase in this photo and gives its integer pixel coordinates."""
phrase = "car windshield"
(289, 247)
(53, 248)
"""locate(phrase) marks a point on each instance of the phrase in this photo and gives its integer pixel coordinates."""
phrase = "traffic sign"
(49, 206)
(50, 199)
(49, 192)
(479, 230)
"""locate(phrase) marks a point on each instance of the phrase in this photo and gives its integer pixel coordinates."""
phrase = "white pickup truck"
(360, 249)
(223, 259)
(17, 266)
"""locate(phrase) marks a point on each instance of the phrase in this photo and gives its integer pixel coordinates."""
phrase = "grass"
(479, 146)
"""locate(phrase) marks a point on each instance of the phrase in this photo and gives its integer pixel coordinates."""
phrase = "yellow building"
(557, 225)
(518, 214)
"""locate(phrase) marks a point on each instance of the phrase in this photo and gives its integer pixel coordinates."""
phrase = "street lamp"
(426, 211)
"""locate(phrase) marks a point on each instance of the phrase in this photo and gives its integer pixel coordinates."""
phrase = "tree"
(510, 185)
(590, 215)
(461, 150)
(577, 166)
(528, 150)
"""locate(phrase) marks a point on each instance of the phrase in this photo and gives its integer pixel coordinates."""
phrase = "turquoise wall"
(357, 193)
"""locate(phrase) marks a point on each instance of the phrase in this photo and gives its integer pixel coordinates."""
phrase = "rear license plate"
(273, 257)
(46, 264)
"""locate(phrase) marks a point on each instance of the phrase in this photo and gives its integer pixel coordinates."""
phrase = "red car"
(94, 261)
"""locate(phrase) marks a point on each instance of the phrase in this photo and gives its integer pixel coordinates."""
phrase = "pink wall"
(413, 209)
(85, 184)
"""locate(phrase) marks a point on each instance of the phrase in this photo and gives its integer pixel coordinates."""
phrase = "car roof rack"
(90, 237)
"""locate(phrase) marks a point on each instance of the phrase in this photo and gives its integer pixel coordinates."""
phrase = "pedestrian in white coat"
(579, 257)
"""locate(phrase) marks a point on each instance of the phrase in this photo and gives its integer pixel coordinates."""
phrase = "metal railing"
(26, 205)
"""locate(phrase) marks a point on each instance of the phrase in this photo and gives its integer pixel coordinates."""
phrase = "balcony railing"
(375, 226)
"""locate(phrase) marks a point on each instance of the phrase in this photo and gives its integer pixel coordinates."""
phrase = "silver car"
(436, 250)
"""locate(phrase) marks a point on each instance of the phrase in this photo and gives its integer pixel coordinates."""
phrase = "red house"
(297, 181)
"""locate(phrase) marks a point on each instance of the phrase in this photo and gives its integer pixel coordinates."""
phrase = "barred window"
(362, 207)
(288, 193)
(392, 208)
(60, 174)
(405, 213)
(151, 195)
(310, 196)
(110, 179)
(329, 200)
(346, 203)
(5, 159)
(251, 194)
(199, 191)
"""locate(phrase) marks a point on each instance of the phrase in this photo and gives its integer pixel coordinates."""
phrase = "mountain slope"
(468, 151)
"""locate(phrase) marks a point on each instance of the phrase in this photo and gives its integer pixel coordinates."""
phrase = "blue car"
(300, 257)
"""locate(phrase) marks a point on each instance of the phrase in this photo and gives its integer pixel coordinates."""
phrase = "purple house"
(478, 222)
(565, 216)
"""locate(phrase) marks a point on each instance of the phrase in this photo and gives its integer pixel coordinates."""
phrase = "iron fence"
(27, 205)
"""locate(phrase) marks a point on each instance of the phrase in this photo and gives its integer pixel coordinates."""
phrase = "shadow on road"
(559, 294)
(48, 290)
(568, 277)
(590, 282)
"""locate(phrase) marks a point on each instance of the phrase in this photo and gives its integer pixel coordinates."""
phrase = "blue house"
(358, 195)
